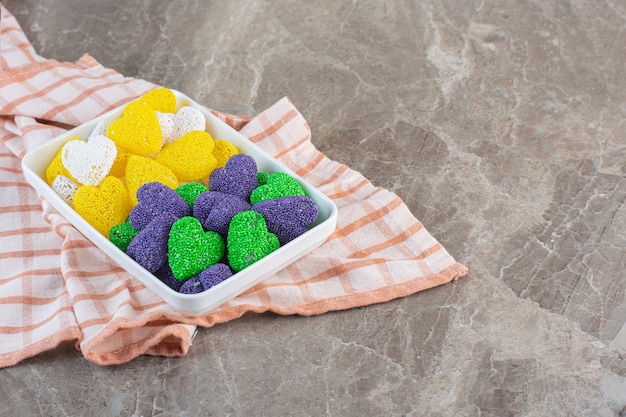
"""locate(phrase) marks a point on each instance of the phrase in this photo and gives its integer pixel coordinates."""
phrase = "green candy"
(262, 177)
(248, 240)
(190, 191)
(122, 234)
(191, 250)
(279, 184)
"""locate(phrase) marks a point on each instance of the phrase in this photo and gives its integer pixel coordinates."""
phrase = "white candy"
(65, 188)
(100, 129)
(175, 126)
(187, 119)
(167, 121)
(89, 162)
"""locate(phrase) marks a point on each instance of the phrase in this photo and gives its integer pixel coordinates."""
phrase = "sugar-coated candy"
(141, 170)
(165, 275)
(138, 130)
(222, 151)
(206, 279)
(89, 161)
(188, 119)
(175, 126)
(156, 199)
(150, 247)
(249, 240)
(65, 188)
(56, 167)
(118, 169)
(190, 158)
(122, 234)
(167, 123)
(103, 206)
(100, 129)
(215, 210)
(262, 177)
(192, 286)
(279, 184)
(161, 99)
(190, 192)
(287, 217)
(238, 177)
(191, 250)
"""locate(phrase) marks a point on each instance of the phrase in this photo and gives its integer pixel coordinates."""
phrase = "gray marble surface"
(502, 126)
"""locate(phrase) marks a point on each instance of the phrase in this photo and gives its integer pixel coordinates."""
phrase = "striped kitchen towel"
(56, 286)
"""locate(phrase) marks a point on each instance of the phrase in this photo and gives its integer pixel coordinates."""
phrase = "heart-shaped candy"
(103, 206)
(150, 247)
(287, 217)
(118, 169)
(56, 167)
(263, 177)
(162, 100)
(156, 199)
(279, 184)
(141, 170)
(167, 122)
(89, 161)
(215, 210)
(100, 129)
(138, 130)
(248, 240)
(191, 250)
(208, 278)
(222, 151)
(122, 234)
(65, 188)
(238, 177)
(190, 192)
(190, 157)
(175, 126)
(166, 276)
(188, 119)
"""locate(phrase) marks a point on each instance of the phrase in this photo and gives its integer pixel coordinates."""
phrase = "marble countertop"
(502, 126)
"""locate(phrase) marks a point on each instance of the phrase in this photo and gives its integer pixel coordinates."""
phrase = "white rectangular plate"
(35, 163)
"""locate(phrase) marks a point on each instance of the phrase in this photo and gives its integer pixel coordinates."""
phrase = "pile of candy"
(190, 209)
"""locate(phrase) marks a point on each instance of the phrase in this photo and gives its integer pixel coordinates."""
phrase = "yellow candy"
(56, 167)
(141, 170)
(103, 206)
(162, 100)
(190, 157)
(119, 165)
(138, 130)
(222, 151)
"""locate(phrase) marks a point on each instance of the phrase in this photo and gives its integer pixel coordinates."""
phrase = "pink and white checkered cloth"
(56, 286)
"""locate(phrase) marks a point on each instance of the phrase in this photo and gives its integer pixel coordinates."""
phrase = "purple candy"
(149, 247)
(238, 177)
(206, 279)
(154, 200)
(215, 210)
(165, 274)
(287, 217)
